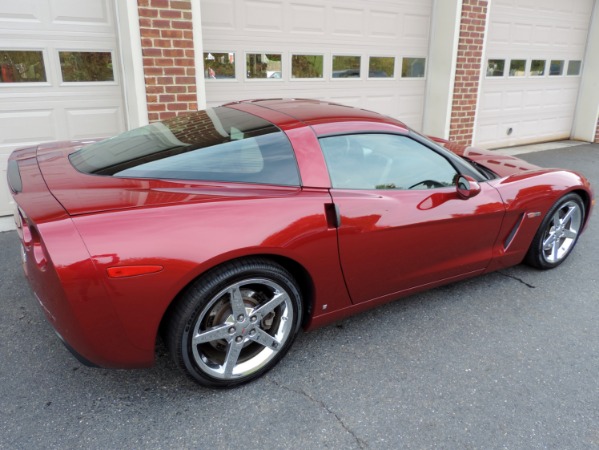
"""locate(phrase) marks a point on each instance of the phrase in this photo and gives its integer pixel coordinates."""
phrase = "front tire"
(558, 233)
(235, 323)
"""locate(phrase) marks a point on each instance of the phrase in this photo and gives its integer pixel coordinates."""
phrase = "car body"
(229, 229)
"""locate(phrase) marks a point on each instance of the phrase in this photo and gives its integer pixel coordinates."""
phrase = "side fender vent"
(514, 230)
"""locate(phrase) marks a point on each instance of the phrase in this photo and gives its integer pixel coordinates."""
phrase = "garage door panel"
(533, 98)
(91, 12)
(384, 104)
(512, 100)
(263, 16)
(488, 132)
(26, 125)
(491, 101)
(522, 33)
(346, 21)
(500, 32)
(14, 13)
(384, 24)
(308, 19)
(416, 26)
(345, 99)
(93, 122)
(218, 14)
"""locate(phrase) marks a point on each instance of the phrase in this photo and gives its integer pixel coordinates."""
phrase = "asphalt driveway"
(507, 360)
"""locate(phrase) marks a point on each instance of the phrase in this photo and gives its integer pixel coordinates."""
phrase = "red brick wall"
(468, 68)
(597, 133)
(168, 57)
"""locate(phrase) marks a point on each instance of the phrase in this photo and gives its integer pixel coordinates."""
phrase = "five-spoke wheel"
(558, 233)
(235, 323)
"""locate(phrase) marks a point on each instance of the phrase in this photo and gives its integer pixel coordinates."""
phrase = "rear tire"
(558, 233)
(234, 323)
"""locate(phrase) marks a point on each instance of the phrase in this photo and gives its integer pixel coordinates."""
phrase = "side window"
(265, 159)
(384, 161)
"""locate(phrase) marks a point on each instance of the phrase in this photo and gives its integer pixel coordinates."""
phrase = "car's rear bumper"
(64, 278)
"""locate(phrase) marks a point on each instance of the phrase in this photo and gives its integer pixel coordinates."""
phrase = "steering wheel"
(428, 183)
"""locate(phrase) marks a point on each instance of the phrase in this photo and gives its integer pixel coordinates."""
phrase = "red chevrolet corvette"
(227, 230)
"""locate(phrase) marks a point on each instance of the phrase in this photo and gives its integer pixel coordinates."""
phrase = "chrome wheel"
(234, 323)
(242, 328)
(560, 236)
(558, 233)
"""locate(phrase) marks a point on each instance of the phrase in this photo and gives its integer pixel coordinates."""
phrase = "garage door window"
(517, 67)
(346, 66)
(22, 66)
(263, 65)
(574, 67)
(556, 67)
(86, 66)
(219, 66)
(537, 67)
(307, 66)
(381, 67)
(495, 67)
(413, 67)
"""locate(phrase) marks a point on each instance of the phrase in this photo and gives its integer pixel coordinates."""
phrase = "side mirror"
(467, 187)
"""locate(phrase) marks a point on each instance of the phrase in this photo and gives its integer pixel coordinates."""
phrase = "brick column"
(468, 70)
(168, 57)
(597, 133)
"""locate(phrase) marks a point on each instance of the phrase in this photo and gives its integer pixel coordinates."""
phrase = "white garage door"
(59, 75)
(367, 54)
(534, 59)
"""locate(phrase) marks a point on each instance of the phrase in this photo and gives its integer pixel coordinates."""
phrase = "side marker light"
(131, 271)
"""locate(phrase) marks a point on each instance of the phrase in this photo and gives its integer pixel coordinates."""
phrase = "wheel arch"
(586, 201)
(297, 270)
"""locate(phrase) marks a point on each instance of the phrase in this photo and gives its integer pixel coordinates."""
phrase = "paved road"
(508, 360)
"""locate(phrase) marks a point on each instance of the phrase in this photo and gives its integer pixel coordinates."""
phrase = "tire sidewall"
(536, 256)
(203, 291)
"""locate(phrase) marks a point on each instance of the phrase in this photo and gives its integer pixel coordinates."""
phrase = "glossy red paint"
(77, 228)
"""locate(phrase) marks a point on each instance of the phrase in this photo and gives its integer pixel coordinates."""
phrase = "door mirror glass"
(467, 187)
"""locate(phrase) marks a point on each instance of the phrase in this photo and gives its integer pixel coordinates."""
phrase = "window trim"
(222, 80)
(526, 64)
(496, 77)
(346, 79)
(544, 74)
(302, 79)
(263, 80)
(395, 67)
(579, 68)
(115, 72)
(45, 59)
(424, 75)
(563, 68)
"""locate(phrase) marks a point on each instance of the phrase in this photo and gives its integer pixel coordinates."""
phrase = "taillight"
(32, 241)
(14, 177)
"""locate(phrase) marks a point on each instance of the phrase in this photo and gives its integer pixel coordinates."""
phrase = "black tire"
(558, 233)
(234, 323)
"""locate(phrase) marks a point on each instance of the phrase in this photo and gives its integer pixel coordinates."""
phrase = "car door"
(402, 223)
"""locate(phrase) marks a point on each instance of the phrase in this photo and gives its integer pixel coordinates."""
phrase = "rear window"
(218, 144)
